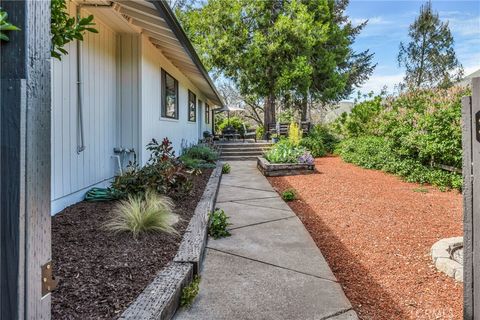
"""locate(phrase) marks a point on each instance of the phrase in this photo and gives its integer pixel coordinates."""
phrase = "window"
(192, 106)
(207, 113)
(169, 96)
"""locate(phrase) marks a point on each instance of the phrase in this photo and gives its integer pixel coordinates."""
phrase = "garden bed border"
(441, 253)
(161, 298)
(283, 169)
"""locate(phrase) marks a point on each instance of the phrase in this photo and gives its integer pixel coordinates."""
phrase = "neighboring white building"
(335, 111)
(467, 80)
(139, 78)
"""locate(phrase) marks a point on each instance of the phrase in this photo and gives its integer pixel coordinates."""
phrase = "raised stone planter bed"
(447, 257)
(283, 169)
(161, 298)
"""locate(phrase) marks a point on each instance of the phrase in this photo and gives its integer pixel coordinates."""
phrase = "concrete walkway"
(269, 268)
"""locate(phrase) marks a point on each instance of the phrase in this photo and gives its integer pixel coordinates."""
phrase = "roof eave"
(167, 14)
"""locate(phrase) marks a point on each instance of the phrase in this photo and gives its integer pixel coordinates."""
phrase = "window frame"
(163, 103)
(190, 96)
(207, 113)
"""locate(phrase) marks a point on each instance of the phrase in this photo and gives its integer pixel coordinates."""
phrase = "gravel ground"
(376, 232)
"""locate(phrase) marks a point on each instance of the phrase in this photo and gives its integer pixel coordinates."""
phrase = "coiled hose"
(102, 194)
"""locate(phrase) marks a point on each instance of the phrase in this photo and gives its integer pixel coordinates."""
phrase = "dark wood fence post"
(471, 201)
(25, 243)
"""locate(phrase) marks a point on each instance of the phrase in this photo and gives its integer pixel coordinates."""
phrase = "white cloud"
(465, 27)
(377, 82)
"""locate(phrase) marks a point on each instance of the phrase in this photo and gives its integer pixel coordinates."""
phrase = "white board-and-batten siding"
(121, 94)
(73, 173)
(180, 131)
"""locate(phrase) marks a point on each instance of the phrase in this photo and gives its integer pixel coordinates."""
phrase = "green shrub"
(360, 120)
(319, 141)
(378, 153)
(190, 292)
(218, 224)
(234, 122)
(201, 152)
(162, 173)
(368, 151)
(196, 163)
(289, 195)
(325, 134)
(139, 214)
(421, 130)
(199, 157)
(260, 131)
(284, 152)
(226, 168)
(314, 145)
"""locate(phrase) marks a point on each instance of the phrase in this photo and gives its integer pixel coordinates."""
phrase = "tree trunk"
(269, 113)
(304, 108)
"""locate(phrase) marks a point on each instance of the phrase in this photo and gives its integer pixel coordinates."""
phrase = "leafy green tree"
(429, 57)
(275, 49)
(65, 28)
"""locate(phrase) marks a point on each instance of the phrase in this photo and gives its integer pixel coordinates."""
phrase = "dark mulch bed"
(101, 273)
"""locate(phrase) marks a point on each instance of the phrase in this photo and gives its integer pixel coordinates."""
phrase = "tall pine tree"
(429, 57)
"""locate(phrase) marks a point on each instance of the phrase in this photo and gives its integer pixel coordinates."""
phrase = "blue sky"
(388, 25)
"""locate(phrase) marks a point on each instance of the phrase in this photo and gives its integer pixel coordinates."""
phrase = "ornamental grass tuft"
(139, 214)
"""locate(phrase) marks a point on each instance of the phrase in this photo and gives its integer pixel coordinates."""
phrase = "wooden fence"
(25, 162)
(471, 203)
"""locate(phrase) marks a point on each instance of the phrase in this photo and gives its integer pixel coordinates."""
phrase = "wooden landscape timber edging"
(161, 298)
(283, 169)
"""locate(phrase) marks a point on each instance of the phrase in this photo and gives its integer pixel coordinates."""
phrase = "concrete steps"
(242, 151)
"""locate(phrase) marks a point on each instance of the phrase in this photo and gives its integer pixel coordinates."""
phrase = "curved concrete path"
(269, 268)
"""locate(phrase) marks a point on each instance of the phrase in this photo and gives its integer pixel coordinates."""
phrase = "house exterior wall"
(121, 93)
(128, 80)
(73, 172)
(181, 132)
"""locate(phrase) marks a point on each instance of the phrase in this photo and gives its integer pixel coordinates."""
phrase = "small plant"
(421, 190)
(199, 156)
(260, 132)
(226, 168)
(306, 158)
(289, 195)
(5, 25)
(218, 224)
(294, 134)
(284, 152)
(160, 152)
(138, 214)
(190, 292)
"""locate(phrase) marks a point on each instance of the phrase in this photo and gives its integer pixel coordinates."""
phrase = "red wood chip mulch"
(376, 232)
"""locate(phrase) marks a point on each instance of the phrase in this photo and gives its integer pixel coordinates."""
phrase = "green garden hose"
(102, 194)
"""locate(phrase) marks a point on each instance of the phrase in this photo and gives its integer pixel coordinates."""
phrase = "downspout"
(80, 129)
